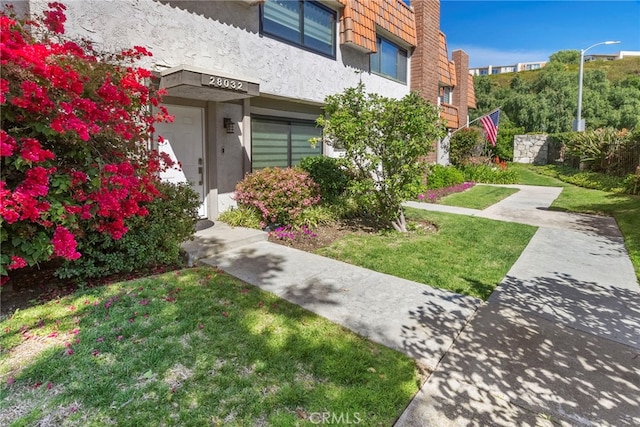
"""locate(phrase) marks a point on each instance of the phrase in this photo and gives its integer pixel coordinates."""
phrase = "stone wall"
(531, 149)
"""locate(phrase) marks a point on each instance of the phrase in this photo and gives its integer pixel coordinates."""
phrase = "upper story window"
(446, 94)
(390, 60)
(304, 23)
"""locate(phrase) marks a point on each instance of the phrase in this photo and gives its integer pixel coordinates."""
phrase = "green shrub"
(632, 183)
(241, 217)
(489, 174)
(504, 144)
(464, 144)
(443, 176)
(594, 180)
(329, 173)
(316, 215)
(279, 195)
(151, 240)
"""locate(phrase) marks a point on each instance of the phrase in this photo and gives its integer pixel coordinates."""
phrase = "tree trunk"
(400, 224)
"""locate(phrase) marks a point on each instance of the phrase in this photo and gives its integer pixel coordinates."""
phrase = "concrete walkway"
(558, 342)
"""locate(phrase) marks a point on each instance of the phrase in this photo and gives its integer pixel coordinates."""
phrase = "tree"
(566, 57)
(386, 141)
(545, 100)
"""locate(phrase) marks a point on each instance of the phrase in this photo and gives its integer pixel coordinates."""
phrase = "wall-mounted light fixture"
(229, 125)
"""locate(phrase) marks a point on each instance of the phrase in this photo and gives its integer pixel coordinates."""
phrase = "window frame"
(401, 52)
(300, 43)
(289, 122)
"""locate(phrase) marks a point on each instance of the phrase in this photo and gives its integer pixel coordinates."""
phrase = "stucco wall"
(221, 36)
(530, 149)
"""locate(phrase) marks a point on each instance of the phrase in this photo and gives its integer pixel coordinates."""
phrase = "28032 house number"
(225, 83)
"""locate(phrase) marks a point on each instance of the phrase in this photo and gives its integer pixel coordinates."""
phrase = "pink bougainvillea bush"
(74, 151)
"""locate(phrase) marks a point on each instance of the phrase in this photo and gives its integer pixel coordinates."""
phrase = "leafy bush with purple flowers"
(432, 196)
(279, 195)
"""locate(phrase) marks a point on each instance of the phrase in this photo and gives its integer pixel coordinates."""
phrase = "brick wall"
(461, 91)
(424, 61)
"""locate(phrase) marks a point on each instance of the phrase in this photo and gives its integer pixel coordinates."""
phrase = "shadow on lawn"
(549, 349)
(276, 369)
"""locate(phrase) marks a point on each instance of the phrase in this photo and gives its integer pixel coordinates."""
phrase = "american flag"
(490, 125)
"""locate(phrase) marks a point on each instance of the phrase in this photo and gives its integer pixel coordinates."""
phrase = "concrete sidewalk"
(558, 341)
(410, 317)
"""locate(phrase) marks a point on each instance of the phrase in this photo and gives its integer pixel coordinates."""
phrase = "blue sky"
(510, 31)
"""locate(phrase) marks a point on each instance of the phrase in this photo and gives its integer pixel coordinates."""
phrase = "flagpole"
(475, 120)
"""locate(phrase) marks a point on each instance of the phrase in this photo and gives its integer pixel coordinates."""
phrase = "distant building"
(611, 56)
(500, 69)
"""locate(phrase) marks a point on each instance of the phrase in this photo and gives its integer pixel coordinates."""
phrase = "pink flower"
(16, 262)
(64, 244)
(7, 144)
(32, 151)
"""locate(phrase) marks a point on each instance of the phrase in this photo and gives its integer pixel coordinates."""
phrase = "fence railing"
(620, 159)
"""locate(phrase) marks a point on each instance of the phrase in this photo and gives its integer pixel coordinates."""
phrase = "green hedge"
(151, 240)
(443, 176)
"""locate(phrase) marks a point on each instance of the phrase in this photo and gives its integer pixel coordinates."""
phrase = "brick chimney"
(461, 91)
(424, 60)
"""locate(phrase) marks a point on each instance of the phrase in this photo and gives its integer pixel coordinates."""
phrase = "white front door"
(184, 141)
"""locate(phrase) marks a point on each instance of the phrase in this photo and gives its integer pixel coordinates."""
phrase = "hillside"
(545, 100)
(615, 70)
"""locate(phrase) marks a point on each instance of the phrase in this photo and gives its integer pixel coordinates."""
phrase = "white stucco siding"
(221, 36)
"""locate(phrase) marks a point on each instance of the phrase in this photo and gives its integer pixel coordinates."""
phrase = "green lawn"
(467, 255)
(478, 197)
(623, 207)
(192, 348)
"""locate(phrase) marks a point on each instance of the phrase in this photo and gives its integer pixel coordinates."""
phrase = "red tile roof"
(360, 18)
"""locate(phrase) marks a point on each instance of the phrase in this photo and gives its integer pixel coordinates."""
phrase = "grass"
(467, 255)
(193, 347)
(478, 197)
(623, 207)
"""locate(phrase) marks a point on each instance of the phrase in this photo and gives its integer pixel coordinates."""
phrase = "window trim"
(288, 122)
(301, 44)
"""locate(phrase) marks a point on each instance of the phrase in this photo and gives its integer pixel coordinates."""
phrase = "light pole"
(578, 123)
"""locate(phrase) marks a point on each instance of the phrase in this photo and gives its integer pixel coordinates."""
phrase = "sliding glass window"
(389, 61)
(304, 23)
(282, 143)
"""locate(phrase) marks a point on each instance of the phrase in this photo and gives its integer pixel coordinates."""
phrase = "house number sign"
(224, 83)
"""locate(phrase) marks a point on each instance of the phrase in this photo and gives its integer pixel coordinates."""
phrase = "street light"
(578, 123)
